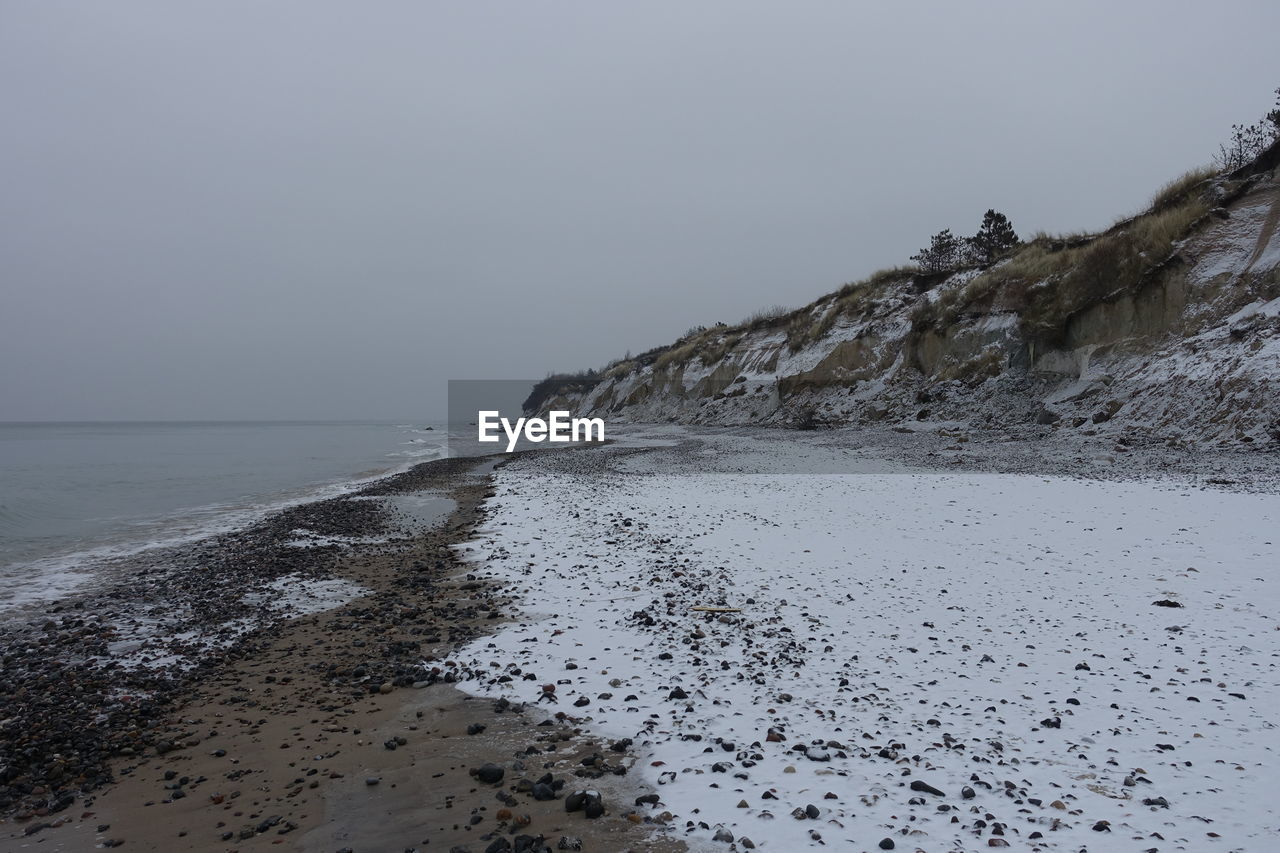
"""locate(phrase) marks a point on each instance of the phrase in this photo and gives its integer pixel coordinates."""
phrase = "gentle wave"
(50, 576)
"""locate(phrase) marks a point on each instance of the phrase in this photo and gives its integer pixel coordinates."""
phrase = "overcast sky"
(326, 210)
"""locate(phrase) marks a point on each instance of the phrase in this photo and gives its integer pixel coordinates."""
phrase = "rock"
(1046, 417)
(1165, 602)
(589, 802)
(967, 793)
(475, 728)
(594, 805)
(500, 845)
(925, 787)
(724, 835)
(490, 774)
(528, 844)
(1107, 412)
(887, 844)
(677, 693)
(569, 843)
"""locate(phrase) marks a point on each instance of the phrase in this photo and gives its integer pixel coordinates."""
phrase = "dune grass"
(1051, 278)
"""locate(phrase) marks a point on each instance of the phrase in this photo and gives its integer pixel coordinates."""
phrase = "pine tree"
(994, 238)
(944, 253)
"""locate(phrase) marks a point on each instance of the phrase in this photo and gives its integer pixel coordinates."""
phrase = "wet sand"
(311, 737)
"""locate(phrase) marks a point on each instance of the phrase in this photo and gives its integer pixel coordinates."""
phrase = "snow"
(152, 643)
(1232, 247)
(1255, 309)
(904, 626)
(296, 595)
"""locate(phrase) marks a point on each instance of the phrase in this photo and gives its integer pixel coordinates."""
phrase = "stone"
(490, 774)
(925, 787)
(594, 806)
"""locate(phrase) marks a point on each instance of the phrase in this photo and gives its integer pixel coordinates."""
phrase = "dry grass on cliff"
(1050, 279)
(1176, 191)
(854, 299)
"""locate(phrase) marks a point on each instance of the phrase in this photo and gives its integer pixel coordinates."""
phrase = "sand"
(273, 742)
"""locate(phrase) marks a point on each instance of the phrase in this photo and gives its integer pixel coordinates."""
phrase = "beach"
(244, 724)
(735, 639)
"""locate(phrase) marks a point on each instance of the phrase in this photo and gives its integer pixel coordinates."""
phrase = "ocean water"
(74, 494)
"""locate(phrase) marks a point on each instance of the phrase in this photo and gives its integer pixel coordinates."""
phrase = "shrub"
(560, 383)
(1248, 141)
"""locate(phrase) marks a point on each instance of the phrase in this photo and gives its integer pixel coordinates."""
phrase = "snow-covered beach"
(895, 657)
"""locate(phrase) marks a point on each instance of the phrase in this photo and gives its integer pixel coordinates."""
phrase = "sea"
(74, 496)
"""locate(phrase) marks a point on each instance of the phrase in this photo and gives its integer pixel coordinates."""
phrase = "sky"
(296, 210)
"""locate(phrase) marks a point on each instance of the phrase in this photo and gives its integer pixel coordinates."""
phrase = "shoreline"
(216, 749)
(213, 491)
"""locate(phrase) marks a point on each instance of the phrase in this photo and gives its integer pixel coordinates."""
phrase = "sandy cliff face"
(1097, 335)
